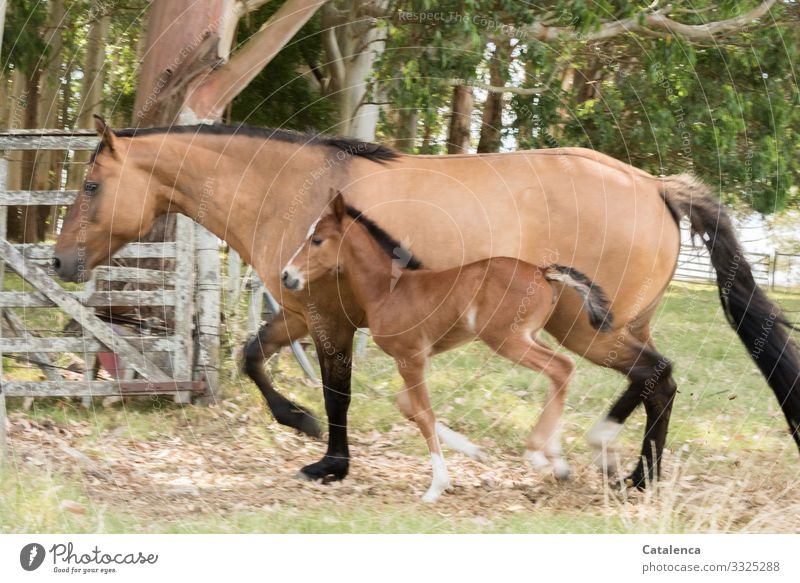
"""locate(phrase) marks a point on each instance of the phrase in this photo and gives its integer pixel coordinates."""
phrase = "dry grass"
(218, 473)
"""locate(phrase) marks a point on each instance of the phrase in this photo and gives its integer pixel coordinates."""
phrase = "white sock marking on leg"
(561, 469)
(605, 432)
(457, 441)
(537, 459)
(602, 437)
(441, 479)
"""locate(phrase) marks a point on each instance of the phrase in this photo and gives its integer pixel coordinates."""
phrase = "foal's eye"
(316, 241)
(90, 188)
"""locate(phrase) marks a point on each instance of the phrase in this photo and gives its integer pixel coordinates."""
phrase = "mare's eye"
(316, 241)
(90, 188)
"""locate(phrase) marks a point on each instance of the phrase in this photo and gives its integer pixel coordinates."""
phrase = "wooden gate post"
(209, 287)
(3, 217)
(183, 356)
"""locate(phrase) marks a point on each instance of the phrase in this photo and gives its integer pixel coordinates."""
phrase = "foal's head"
(116, 205)
(319, 253)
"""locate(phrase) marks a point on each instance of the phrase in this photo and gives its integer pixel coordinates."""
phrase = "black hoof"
(637, 479)
(328, 469)
(301, 419)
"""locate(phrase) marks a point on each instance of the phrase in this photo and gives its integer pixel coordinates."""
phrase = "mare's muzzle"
(69, 267)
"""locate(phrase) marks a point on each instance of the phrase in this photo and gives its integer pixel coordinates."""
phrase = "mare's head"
(116, 205)
(319, 254)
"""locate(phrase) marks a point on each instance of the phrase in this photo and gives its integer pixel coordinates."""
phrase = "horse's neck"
(240, 189)
(368, 267)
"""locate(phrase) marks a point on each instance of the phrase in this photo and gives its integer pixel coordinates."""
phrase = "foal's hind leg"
(414, 402)
(459, 442)
(271, 337)
(543, 446)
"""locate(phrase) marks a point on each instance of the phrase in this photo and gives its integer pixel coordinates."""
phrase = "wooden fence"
(769, 269)
(181, 361)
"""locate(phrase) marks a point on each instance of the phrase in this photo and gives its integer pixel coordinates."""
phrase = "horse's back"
(569, 206)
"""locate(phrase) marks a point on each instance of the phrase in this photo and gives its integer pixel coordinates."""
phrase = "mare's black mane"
(351, 146)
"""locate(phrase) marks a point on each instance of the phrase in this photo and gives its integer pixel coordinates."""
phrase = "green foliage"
(23, 45)
(426, 49)
(728, 112)
(279, 96)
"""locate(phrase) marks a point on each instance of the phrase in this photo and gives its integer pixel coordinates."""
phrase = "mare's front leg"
(281, 331)
(334, 342)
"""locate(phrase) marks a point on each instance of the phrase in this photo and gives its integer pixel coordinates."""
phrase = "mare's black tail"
(761, 326)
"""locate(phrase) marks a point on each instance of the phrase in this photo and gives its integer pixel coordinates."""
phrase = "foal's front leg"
(414, 402)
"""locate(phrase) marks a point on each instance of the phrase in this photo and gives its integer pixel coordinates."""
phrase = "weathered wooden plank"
(25, 338)
(95, 388)
(209, 285)
(233, 284)
(37, 197)
(89, 358)
(256, 305)
(101, 330)
(48, 132)
(3, 225)
(133, 275)
(99, 299)
(129, 251)
(57, 344)
(182, 358)
(48, 142)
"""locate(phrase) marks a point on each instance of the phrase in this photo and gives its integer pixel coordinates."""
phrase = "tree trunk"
(458, 132)
(187, 76)
(427, 136)
(44, 90)
(492, 122)
(93, 78)
(91, 90)
(28, 219)
(351, 50)
(181, 34)
(15, 119)
(405, 135)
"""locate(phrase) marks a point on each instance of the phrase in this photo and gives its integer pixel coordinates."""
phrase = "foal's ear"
(339, 208)
(105, 132)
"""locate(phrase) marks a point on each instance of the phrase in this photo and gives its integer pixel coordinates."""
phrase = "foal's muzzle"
(292, 279)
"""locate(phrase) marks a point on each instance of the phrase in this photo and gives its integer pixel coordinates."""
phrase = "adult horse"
(260, 190)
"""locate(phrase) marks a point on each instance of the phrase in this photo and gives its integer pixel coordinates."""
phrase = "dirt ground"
(227, 467)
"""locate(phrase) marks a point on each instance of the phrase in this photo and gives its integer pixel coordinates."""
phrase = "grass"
(732, 465)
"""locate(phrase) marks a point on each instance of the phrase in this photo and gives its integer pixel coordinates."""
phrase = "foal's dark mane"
(389, 244)
(352, 147)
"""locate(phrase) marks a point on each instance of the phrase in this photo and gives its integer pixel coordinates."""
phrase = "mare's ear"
(105, 132)
(339, 208)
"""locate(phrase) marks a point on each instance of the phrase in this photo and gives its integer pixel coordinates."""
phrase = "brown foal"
(416, 314)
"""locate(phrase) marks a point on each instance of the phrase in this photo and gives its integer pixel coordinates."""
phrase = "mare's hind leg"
(651, 383)
(543, 446)
(271, 337)
(414, 402)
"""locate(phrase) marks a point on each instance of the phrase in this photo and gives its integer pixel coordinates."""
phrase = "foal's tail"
(594, 298)
(761, 326)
